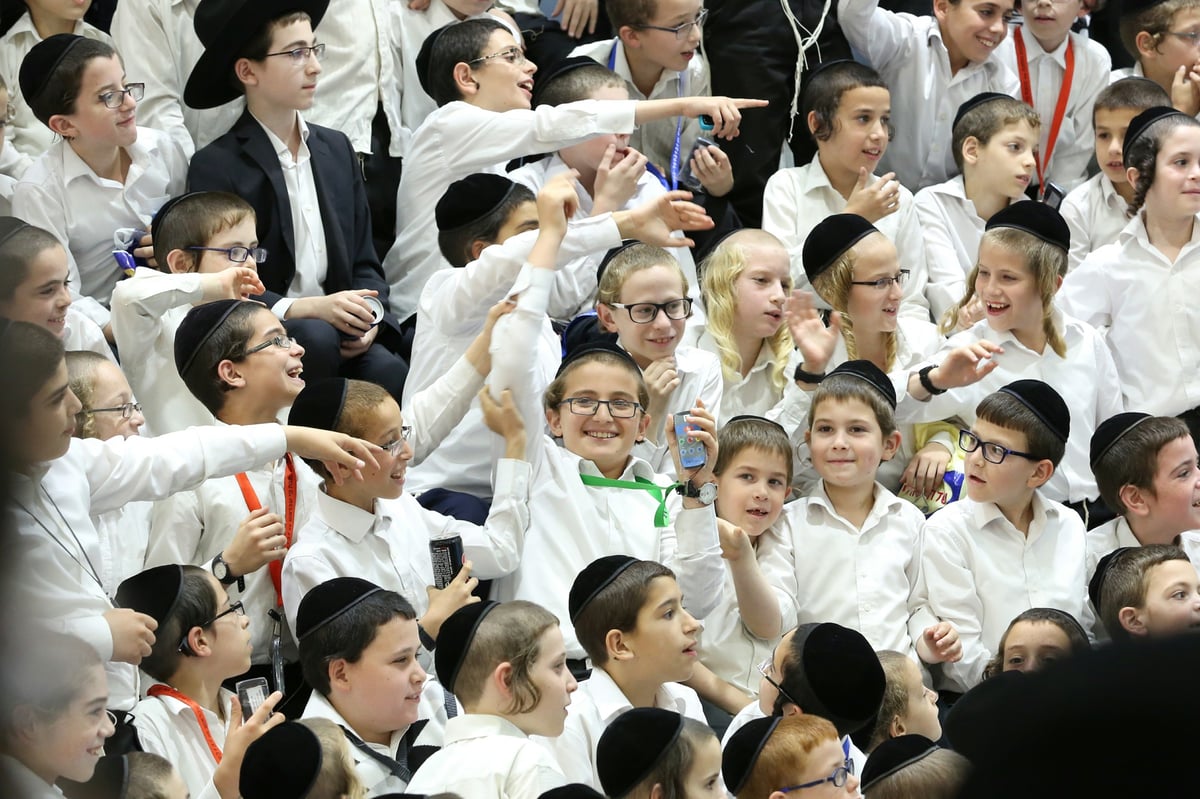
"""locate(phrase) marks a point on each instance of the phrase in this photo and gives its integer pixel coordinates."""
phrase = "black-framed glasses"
(125, 410)
(643, 313)
(300, 55)
(884, 283)
(992, 452)
(393, 447)
(283, 342)
(840, 776)
(237, 254)
(513, 55)
(683, 30)
(234, 607)
(116, 97)
(766, 669)
(589, 406)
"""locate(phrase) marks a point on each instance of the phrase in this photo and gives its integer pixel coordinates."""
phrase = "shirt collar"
(349, 521)
(885, 502)
(75, 167)
(24, 26)
(817, 179)
(479, 725)
(634, 467)
(278, 145)
(610, 700)
(1108, 192)
(319, 707)
(986, 513)
(1058, 55)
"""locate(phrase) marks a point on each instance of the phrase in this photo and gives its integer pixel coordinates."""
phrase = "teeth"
(602, 435)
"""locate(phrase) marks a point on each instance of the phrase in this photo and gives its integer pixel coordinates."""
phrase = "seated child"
(1098, 210)
(105, 173)
(648, 752)
(775, 755)
(1036, 638)
(1146, 31)
(196, 237)
(35, 287)
(358, 648)
(202, 639)
(306, 186)
(909, 708)
(995, 145)
(1147, 592)
(1005, 548)
(507, 665)
(629, 617)
(912, 765)
(847, 109)
(307, 759)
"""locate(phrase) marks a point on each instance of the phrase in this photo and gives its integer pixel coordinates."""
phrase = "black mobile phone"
(1053, 195)
(251, 694)
(447, 556)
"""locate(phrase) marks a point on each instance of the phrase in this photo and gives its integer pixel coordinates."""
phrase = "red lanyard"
(1060, 109)
(165, 690)
(289, 516)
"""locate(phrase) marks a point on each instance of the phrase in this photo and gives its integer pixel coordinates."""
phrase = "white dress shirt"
(168, 727)
(460, 139)
(1047, 70)
(124, 535)
(28, 785)
(573, 524)
(982, 572)
(1147, 304)
(504, 762)
(1096, 215)
(795, 200)
(909, 54)
(61, 194)
(753, 394)
(81, 333)
(1107, 537)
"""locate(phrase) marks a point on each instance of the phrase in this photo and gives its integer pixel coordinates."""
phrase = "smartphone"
(251, 694)
(1053, 195)
(447, 556)
(686, 177)
(692, 454)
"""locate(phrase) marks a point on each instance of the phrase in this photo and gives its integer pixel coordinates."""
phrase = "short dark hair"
(459, 42)
(1133, 459)
(29, 355)
(579, 83)
(1004, 410)
(148, 775)
(349, 635)
(630, 12)
(196, 605)
(752, 433)
(1126, 582)
(61, 90)
(557, 390)
(257, 47)
(18, 253)
(1153, 18)
(1142, 154)
(455, 243)
(1061, 619)
(1132, 94)
(194, 221)
(823, 94)
(841, 388)
(228, 343)
(616, 607)
(987, 119)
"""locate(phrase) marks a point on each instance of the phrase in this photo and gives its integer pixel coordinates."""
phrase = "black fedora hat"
(225, 27)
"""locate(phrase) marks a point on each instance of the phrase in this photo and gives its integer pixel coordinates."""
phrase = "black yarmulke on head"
(1096, 584)
(600, 342)
(870, 374)
(11, 226)
(839, 676)
(980, 99)
(632, 745)
(470, 199)
(455, 637)
(595, 577)
(425, 55)
(830, 239)
(161, 214)
(40, 63)
(1036, 219)
(894, 755)
(1138, 125)
(1045, 403)
(283, 764)
(196, 328)
(563, 67)
(320, 404)
(572, 790)
(329, 600)
(743, 749)
(1112, 430)
(154, 591)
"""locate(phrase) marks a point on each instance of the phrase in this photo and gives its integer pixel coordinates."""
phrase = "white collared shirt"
(1096, 215)
(1148, 306)
(504, 762)
(168, 727)
(982, 572)
(597, 704)
(911, 57)
(795, 200)
(1047, 70)
(1086, 379)
(124, 535)
(753, 394)
(81, 333)
(15, 774)
(61, 194)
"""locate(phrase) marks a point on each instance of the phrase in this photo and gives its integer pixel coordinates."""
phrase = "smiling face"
(971, 29)
(760, 290)
(1176, 188)
(1172, 603)
(1173, 504)
(1033, 645)
(603, 439)
(1111, 125)
(664, 640)
(751, 490)
(270, 377)
(276, 82)
(662, 48)
(1009, 291)
(874, 310)
(860, 134)
(847, 443)
(42, 298)
(1049, 21)
(110, 389)
(660, 337)
(45, 432)
(94, 126)
(554, 682)
(70, 744)
(501, 84)
(1005, 164)
(380, 692)
(386, 482)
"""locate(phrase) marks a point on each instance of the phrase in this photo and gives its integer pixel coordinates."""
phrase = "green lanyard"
(662, 517)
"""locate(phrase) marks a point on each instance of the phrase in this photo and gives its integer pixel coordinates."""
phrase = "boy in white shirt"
(1147, 592)
(1005, 548)
(995, 142)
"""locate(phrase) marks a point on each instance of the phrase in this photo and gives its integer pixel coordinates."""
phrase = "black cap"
(283, 764)
(969, 726)
(980, 99)
(1096, 584)
(1036, 219)
(470, 199)
(742, 751)
(455, 637)
(594, 578)
(833, 236)
(329, 600)
(895, 754)
(320, 404)
(558, 70)
(110, 780)
(1045, 403)
(11, 226)
(632, 745)
(154, 591)
(613, 253)
(572, 790)
(425, 54)
(839, 676)
(197, 327)
(165, 208)
(1138, 125)
(871, 374)
(1112, 430)
(598, 343)
(40, 63)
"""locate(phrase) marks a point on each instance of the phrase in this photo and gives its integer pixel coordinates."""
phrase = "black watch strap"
(812, 378)
(926, 383)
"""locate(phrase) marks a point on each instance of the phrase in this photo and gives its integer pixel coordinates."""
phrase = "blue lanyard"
(673, 183)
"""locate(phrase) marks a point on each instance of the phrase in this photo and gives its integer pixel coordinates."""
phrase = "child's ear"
(477, 247)
(808, 436)
(228, 372)
(617, 646)
(501, 678)
(1041, 473)
(1131, 620)
(197, 643)
(941, 8)
(464, 81)
(605, 315)
(630, 36)
(643, 426)
(244, 70)
(62, 125)
(812, 121)
(339, 677)
(657, 791)
(554, 422)
(896, 728)
(1134, 500)
(1057, 283)
(1147, 45)
(180, 262)
(1131, 175)
(970, 150)
(25, 721)
(891, 445)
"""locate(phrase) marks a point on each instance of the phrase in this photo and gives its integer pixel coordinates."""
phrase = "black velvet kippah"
(41, 61)
(425, 54)
(871, 374)
(283, 764)
(1096, 584)
(824, 66)
(571, 64)
(743, 749)
(972, 722)
(329, 600)
(197, 328)
(110, 780)
(613, 253)
(1138, 125)
(895, 754)
(1036, 219)
(11, 226)
(320, 404)
(1112, 430)
(165, 208)
(455, 637)
(594, 578)
(572, 790)
(632, 745)
(154, 591)
(471, 199)
(1045, 403)
(832, 236)
(976, 101)
(598, 343)
(840, 677)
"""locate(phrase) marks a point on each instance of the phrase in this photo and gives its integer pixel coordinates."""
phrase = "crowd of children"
(400, 400)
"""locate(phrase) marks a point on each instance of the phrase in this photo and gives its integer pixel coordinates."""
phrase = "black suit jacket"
(243, 162)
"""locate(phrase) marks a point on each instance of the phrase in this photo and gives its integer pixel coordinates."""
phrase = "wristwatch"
(707, 493)
(225, 575)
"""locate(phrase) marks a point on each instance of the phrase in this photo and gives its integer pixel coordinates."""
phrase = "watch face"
(708, 493)
(220, 570)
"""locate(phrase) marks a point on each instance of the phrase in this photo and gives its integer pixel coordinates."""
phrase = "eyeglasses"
(116, 98)
(393, 448)
(1191, 37)
(126, 410)
(680, 31)
(617, 409)
(840, 776)
(300, 55)
(282, 342)
(992, 453)
(643, 313)
(884, 283)
(234, 607)
(238, 254)
(112, 717)
(513, 55)
(766, 669)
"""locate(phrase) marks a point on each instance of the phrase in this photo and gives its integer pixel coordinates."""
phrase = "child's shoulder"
(948, 191)
(956, 517)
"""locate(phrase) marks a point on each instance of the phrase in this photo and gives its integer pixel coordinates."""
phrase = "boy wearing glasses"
(323, 278)
(1006, 548)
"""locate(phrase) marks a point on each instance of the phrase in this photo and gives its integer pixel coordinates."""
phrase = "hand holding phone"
(691, 452)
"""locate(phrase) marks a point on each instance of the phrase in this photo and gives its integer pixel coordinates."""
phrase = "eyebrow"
(58, 394)
(408, 650)
(51, 283)
(668, 602)
(98, 702)
(275, 331)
